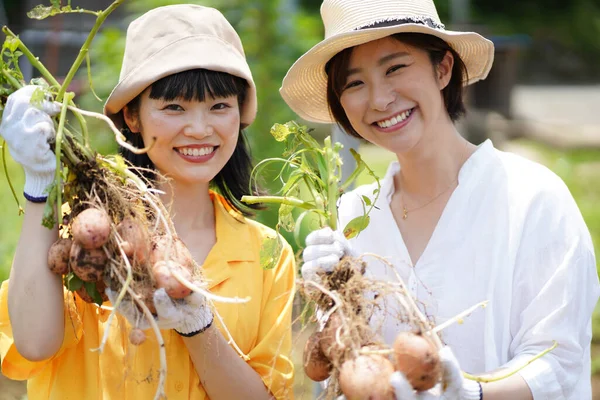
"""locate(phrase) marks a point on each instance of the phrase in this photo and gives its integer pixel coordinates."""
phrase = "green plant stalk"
(57, 151)
(12, 189)
(332, 184)
(15, 83)
(290, 201)
(84, 48)
(37, 64)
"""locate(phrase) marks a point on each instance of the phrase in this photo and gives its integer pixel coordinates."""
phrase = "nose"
(381, 95)
(198, 126)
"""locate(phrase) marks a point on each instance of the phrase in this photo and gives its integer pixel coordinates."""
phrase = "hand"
(324, 250)
(26, 130)
(187, 316)
(456, 387)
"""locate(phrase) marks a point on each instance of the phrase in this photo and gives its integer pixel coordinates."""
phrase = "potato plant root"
(348, 340)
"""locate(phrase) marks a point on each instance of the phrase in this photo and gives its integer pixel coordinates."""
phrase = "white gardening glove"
(26, 130)
(456, 387)
(187, 316)
(324, 250)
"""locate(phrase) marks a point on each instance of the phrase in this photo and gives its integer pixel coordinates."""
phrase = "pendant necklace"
(405, 210)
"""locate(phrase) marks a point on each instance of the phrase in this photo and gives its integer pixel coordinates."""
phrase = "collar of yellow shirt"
(234, 243)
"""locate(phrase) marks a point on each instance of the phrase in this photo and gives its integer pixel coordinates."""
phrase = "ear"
(131, 120)
(444, 70)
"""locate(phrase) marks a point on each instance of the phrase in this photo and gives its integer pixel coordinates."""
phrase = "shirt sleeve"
(14, 365)
(555, 292)
(270, 358)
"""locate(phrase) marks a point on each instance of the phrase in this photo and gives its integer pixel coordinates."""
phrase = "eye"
(220, 106)
(173, 107)
(394, 68)
(352, 84)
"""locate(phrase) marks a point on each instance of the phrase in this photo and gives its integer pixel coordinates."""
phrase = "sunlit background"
(541, 99)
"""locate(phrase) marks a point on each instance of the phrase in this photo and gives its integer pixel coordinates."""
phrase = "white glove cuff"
(36, 184)
(471, 390)
(201, 322)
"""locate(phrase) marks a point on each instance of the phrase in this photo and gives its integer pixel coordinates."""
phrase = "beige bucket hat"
(350, 23)
(176, 38)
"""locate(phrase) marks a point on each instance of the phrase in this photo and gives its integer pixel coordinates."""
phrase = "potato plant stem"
(12, 189)
(57, 152)
(84, 48)
(332, 184)
(290, 201)
(35, 62)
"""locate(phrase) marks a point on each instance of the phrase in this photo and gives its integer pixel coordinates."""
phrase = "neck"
(189, 206)
(432, 165)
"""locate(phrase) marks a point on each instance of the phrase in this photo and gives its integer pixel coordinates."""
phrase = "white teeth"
(196, 152)
(394, 120)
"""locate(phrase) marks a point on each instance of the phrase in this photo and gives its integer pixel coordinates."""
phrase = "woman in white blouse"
(461, 223)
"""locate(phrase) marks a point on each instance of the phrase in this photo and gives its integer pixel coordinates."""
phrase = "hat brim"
(304, 87)
(168, 61)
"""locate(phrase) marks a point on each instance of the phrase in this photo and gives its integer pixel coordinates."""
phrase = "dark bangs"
(195, 84)
(233, 181)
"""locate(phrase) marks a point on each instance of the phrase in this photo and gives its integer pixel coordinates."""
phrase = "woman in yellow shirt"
(184, 82)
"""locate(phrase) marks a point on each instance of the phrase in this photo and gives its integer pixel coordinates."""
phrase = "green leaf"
(270, 251)
(356, 226)
(41, 12)
(286, 217)
(280, 132)
(90, 288)
(72, 282)
(366, 200)
(11, 43)
(37, 97)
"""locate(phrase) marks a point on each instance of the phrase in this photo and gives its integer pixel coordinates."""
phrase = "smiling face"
(194, 122)
(194, 140)
(392, 95)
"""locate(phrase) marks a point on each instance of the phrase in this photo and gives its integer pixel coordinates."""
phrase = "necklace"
(405, 210)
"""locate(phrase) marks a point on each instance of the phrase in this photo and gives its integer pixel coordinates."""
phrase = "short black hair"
(337, 73)
(233, 181)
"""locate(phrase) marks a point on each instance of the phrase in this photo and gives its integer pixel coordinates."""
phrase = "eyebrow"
(381, 61)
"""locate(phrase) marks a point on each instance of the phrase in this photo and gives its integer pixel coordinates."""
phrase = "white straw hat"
(172, 39)
(350, 23)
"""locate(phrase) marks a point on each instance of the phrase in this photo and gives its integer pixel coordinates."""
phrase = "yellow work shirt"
(261, 328)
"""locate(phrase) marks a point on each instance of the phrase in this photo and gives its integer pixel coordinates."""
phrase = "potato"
(162, 272)
(136, 236)
(417, 358)
(316, 366)
(58, 256)
(137, 337)
(367, 377)
(87, 264)
(329, 344)
(91, 228)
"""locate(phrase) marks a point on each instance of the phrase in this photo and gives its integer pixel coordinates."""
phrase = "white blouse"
(511, 233)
